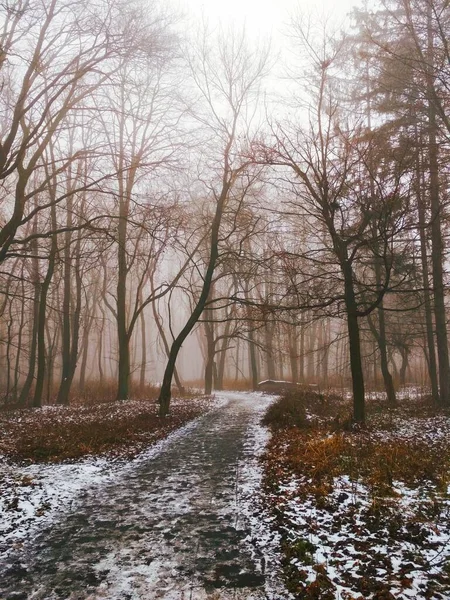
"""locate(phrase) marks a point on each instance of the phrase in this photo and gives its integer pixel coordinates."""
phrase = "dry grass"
(106, 391)
(315, 439)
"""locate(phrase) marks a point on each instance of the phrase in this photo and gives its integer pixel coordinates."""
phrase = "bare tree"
(226, 79)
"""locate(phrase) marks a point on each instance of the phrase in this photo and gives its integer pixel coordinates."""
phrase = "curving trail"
(174, 524)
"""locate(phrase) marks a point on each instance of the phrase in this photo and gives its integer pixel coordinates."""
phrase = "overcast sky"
(263, 17)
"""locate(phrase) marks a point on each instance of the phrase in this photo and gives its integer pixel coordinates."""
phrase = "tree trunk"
(404, 354)
(26, 389)
(253, 363)
(222, 356)
(359, 409)
(143, 350)
(73, 333)
(380, 336)
(431, 354)
(436, 236)
(40, 333)
(41, 345)
(293, 357)
(311, 351)
(122, 333)
(84, 359)
(166, 387)
(270, 361)
(210, 353)
(302, 348)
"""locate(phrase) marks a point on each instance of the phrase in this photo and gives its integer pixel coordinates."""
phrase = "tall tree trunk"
(67, 291)
(431, 354)
(236, 365)
(380, 336)
(84, 359)
(210, 352)
(223, 355)
(326, 351)
(311, 351)
(73, 332)
(437, 254)
(122, 333)
(40, 333)
(302, 348)
(19, 345)
(404, 354)
(270, 360)
(143, 350)
(26, 389)
(41, 345)
(293, 356)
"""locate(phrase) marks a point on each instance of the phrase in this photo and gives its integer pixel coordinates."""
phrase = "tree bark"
(210, 352)
(26, 389)
(431, 354)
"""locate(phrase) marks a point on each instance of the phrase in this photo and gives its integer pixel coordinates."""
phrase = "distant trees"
(60, 61)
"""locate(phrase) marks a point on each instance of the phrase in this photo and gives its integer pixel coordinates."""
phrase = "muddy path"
(173, 525)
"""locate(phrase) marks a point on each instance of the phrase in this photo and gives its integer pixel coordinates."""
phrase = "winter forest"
(193, 215)
(158, 185)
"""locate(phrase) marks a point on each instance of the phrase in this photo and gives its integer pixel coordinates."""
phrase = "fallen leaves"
(57, 433)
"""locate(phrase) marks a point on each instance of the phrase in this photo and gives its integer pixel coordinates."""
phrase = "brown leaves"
(119, 428)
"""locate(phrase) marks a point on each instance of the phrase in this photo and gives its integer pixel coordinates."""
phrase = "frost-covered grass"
(363, 513)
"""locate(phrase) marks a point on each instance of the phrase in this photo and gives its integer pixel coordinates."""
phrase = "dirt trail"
(170, 526)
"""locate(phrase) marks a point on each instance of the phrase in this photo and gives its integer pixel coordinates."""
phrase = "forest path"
(173, 525)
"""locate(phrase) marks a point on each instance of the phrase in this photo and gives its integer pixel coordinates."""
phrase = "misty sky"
(264, 17)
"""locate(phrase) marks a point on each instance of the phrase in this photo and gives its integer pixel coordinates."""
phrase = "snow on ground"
(263, 537)
(341, 541)
(246, 513)
(32, 495)
(352, 542)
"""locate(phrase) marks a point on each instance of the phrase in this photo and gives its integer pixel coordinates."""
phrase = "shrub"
(287, 411)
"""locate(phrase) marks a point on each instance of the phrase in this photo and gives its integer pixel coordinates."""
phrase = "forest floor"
(113, 429)
(362, 513)
(106, 502)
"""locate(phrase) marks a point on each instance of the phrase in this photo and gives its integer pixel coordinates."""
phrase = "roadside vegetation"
(363, 512)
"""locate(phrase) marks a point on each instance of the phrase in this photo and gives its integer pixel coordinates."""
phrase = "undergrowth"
(317, 460)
